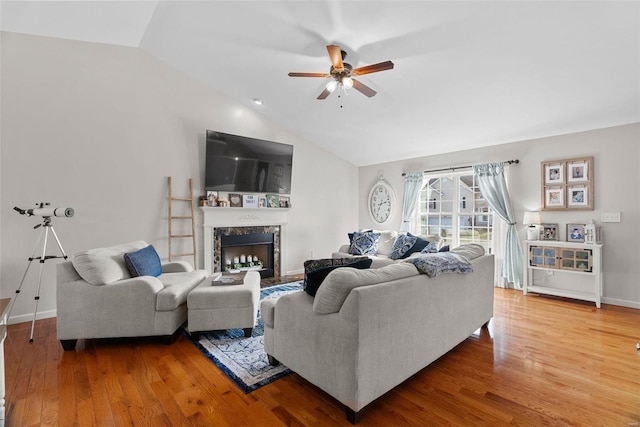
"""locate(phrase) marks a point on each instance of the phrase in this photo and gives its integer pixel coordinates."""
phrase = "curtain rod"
(454, 168)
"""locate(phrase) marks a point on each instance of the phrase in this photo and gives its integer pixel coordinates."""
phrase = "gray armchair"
(98, 298)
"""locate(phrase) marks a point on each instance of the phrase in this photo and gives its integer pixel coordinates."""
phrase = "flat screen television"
(243, 164)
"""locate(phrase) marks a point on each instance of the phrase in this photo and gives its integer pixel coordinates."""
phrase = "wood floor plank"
(542, 361)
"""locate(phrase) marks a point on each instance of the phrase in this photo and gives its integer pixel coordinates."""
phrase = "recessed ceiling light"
(257, 101)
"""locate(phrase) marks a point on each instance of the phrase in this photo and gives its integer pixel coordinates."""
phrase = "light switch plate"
(610, 216)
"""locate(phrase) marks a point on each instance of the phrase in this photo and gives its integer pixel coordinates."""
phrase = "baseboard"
(295, 272)
(621, 302)
(29, 317)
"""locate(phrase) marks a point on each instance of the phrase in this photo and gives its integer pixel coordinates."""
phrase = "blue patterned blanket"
(442, 262)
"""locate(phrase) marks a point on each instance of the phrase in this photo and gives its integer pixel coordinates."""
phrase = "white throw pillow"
(387, 239)
(337, 285)
(101, 266)
(469, 250)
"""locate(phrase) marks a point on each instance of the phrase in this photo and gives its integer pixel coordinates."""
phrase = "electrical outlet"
(610, 216)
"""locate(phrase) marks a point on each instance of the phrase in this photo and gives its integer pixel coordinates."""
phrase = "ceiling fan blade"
(309, 75)
(336, 56)
(374, 68)
(324, 94)
(366, 90)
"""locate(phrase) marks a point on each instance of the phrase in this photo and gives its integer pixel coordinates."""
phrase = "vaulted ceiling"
(467, 73)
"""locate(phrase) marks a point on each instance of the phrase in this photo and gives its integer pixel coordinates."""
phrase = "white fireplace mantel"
(241, 217)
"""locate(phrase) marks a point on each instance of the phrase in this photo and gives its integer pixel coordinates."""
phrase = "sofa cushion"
(143, 262)
(339, 283)
(364, 243)
(317, 276)
(102, 266)
(176, 288)
(402, 246)
(386, 242)
(469, 251)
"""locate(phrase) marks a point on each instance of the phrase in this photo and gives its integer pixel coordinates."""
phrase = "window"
(451, 205)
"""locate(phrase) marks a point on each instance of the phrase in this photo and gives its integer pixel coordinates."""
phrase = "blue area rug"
(244, 359)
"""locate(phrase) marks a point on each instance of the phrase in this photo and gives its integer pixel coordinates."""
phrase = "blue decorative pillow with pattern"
(402, 246)
(364, 243)
(144, 262)
(444, 262)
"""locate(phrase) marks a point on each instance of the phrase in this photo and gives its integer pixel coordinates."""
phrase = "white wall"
(616, 154)
(99, 128)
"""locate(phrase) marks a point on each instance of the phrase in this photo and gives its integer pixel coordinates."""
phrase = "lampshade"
(332, 85)
(531, 218)
(347, 82)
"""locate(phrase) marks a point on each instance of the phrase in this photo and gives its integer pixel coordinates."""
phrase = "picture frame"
(273, 200)
(284, 202)
(567, 184)
(554, 173)
(212, 198)
(235, 200)
(575, 233)
(262, 202)
(578, 196)
(249, 201)
(548, 231)
(554, 197)
(578, 171)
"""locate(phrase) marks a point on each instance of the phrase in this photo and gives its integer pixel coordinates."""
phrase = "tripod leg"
(33, 254)
(64, 255)
(43, 258)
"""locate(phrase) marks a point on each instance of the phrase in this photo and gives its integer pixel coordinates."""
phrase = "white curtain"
(412, 187)
(493, 185)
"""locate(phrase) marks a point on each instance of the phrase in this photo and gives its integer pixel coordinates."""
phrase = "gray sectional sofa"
(366, 331)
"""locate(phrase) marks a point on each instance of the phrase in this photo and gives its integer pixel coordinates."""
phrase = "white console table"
(567, 257)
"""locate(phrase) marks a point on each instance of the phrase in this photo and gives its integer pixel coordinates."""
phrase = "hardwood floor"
(542, 361)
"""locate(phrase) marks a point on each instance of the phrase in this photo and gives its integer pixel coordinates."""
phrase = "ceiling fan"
(343, 73)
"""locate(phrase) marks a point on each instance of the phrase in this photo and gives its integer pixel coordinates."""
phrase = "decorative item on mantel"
(592, 234)
(532, 219)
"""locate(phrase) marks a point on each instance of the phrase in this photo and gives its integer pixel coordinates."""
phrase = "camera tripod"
(46, 226)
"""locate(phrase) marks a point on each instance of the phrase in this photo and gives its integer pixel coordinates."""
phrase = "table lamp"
(532, 219)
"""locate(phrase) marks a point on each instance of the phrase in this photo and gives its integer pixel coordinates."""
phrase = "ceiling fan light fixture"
(347, 82)
(332, 85)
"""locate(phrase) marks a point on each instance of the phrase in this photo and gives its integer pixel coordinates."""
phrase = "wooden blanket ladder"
(181, 218)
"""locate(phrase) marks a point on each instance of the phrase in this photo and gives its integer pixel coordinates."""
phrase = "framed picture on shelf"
(212, 198)
(554, 197)
(578, 170)
(578, 196)
(235, 200)
(548, 231)
(250, 201)
(273, 200)
(262, 202)
(575, 232)
(284, 202)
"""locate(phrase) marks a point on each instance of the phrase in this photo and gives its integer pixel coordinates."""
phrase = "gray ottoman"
(214, 307)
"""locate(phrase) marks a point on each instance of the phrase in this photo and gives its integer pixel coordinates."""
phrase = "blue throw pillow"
(364, 243)
(317, 276)
(445, 248)
(402, 245)
(419, 245)
(144, 262)
(431, 248)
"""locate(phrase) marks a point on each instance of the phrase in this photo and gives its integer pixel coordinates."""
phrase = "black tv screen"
(243, 164)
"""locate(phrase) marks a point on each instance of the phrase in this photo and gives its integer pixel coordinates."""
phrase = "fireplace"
(233, 222)
(248, 246)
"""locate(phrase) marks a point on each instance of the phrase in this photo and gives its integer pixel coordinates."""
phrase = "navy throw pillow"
(316, 277)
(445, 248)
(144, 262)
(402, 246)
(418, 246)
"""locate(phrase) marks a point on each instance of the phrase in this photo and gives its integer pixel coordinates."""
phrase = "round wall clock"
(382, 201)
